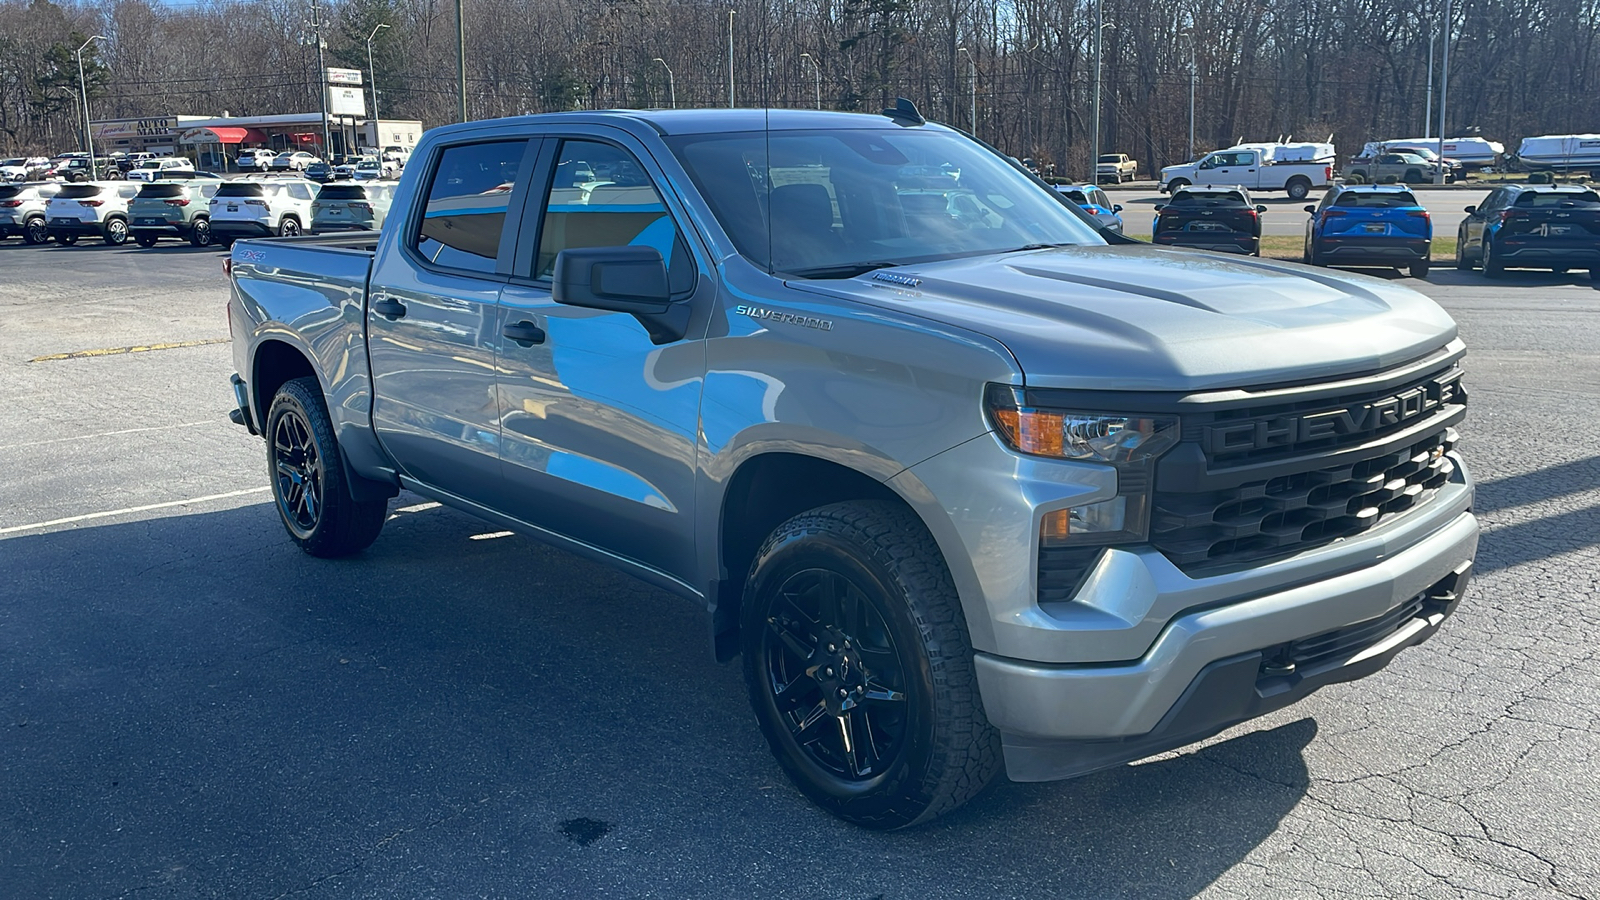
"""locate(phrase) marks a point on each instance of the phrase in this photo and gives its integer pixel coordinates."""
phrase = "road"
(1285, 217)
(193, 708)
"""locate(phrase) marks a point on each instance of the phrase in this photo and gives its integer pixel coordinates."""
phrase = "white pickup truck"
(1295, 168)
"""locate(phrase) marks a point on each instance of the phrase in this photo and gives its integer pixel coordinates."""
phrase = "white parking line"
(89, 437)
(132, 509)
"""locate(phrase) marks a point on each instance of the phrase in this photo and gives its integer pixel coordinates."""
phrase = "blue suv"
(1532, 226)
(1370, 225)
(1093, 201)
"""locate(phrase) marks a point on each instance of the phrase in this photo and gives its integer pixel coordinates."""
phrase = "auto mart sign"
(157, 126)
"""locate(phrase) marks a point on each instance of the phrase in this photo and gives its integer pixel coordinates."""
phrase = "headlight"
(1078, 435)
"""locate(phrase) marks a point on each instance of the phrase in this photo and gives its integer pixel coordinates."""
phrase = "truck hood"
(1141, 318)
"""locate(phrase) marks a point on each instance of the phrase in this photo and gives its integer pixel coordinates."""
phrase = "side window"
(600, 196)
(468, 195)
(1495, 200)
(300, 191)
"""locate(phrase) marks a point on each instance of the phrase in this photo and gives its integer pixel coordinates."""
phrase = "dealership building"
(213, 142)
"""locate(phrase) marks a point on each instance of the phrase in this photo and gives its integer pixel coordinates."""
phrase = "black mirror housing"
(628, 279)
(1261, 209)
(1311, 209)
(1470, 210)
(1116, 207)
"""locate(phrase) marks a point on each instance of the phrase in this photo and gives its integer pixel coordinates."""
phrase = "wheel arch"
(274, 363)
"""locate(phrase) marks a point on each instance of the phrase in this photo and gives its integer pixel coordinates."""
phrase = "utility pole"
(373, 73)
(818, 69)
(83, 91)
(972, 111)
(672, 87)
(1099, 45)
(1427, 117)
(730, 58)
(322, 78)
(1444, 92)
(461, 59)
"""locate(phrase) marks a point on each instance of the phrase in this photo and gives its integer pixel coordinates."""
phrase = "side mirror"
(630, 280)
(1261, 209)
(1471, 210)
(1159, 207)
(1311, 209)
(1116, 207)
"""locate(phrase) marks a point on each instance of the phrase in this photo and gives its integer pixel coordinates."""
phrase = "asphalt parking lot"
(190, 707)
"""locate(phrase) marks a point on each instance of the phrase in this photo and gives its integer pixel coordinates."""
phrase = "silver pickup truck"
(969, 489)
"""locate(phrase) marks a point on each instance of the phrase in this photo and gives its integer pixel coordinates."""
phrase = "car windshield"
(150, 164)
(833, 204)
(1377, 199)
(1548, 199)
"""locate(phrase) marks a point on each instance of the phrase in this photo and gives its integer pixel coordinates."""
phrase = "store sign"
(346, 101)
(344, 76)
(159, 126)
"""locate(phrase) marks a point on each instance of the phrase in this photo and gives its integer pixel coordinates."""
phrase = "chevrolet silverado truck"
(968, 488)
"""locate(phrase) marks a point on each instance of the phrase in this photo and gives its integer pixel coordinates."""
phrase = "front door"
(599, 423)
(431, 320)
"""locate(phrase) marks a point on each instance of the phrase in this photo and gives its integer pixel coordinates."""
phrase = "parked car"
(19, 169)
(22, 210)
(1210, 217)
(1370, 225)
(293, 161)
(255, 159)
(1115, 168)
(1454, 170)
(1391, 168)
(186, 175)
(93, 208)
(349, 206)
(370, 169)
(256, 208)
(397, 155)
(128, 161)
(177, 209)
(75, 168)
(150, 168)
(1532, 226)
(324, 172)
(962, 500)
(1295, 168)
(1092, 200)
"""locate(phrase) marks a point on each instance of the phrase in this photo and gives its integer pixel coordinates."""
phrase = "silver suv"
(351, 207)
(22, 210)
(177, 209)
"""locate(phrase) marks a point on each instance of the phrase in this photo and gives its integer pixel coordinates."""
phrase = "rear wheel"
(1413, 176)
(859, 667)
(144, 240)
(35, 232)
(1492, 268)
(1462, 263)
(308, 482)
(1298, 188)
(116, 232)
(289, 227)
(1419, 269)
(200, 233)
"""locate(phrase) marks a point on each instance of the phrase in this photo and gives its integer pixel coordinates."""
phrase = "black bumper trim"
(1237, 689)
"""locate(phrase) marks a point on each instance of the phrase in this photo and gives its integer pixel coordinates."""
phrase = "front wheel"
(860, 670)
(1176, 185)
(35, 232)
(308, 482)
(1462, 263)
(1419, 269)
(1492, 268)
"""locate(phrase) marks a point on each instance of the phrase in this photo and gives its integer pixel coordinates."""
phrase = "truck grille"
(1261, 520)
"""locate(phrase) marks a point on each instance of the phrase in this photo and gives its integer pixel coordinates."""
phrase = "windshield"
(12, 162)
(150, 164)
(1377, 199)
(832, 204)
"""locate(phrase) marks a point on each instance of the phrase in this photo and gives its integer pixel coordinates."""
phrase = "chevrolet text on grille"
(1284, 431)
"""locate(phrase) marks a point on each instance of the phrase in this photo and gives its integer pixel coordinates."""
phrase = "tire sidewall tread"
(346, 526)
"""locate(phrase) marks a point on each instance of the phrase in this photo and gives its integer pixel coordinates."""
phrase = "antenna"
(905, 113)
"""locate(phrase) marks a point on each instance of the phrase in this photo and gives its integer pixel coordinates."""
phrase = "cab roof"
(710, 121)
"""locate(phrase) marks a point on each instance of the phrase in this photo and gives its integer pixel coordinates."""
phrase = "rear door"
(599, 422)
(431, 312)
(1477, 221)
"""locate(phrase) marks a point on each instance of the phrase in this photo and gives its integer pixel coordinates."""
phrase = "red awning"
(222, 134)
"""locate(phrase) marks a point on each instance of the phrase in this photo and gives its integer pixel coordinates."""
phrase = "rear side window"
(78, 191)
(465, 214)
(1207, 198)
(1076, 197)
(1377, 199)
(1556, 199)
(240, 189)
(8, 191)
(342, 192)
(160, 191)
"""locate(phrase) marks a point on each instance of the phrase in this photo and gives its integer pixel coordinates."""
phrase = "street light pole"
(730, 59)
(1099, 46)
(461, 59)
(373, 72)
(1427, 117)
(818, 67)
(1444, 93)
(83, 91)
(322, 78)
(972, 111)
(672, 87)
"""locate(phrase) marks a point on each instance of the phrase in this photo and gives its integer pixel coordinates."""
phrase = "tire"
(116, 232)
(1316, 257)
(1413, 176)
(1462, 263)
(200, 233)
(67, 239)
(35, 232)
(1492, 268)
(307, 475)
(1355, 178)
(1298, 188)
(855, 598)
(1177, 184)
(289, 227)
(144, 240)
(1419, 269)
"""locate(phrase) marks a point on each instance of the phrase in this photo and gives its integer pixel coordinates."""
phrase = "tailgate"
(1574, 223)
(1376, 222)
(1203, 219)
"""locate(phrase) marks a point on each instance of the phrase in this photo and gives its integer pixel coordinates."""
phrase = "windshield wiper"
(1037, 247)
(845, 271)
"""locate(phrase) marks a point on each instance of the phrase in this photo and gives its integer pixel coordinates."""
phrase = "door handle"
(389, 308)
(524, 333)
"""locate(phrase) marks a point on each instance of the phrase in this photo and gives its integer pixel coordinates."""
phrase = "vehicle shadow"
(1447, 274)
(193, 702)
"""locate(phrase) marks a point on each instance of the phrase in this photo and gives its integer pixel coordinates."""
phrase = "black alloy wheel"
(289, 227)
(860, 669)
(200, 233)
(298, 473)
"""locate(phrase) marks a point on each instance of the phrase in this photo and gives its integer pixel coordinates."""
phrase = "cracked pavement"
(191, 708)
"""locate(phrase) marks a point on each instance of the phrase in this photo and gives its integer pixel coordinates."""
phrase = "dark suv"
(1210, 218)
(1532, 226)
